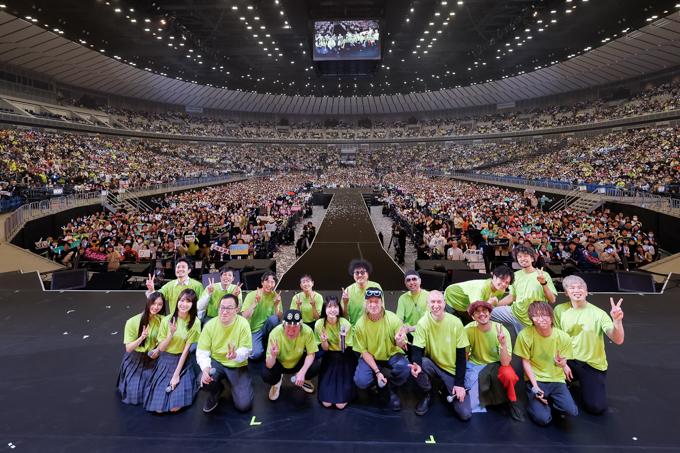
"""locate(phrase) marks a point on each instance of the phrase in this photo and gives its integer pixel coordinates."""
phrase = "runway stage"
(61, 352)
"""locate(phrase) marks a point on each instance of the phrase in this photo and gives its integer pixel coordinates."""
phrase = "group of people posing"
(453, 343)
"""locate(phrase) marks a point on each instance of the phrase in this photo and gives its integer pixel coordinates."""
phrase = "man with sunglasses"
(223, 349)
(353, 296)
(380, 338)
(412, 305)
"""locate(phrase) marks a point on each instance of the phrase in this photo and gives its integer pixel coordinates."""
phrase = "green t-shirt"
(440, 340)
(290, 351)
(355, 307)
(411, 308)
(484, 346)
(183, 335)
(132, 332)
(377, 338)
(216, 338)
(262, 311)
(586, 327)
(461, 295)
(526, 290)
(333, 333)
(212, 310)
(541, 352)
(306, 308)
(172, 290)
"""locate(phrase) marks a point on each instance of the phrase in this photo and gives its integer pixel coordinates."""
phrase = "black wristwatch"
(377, 372)
(543, 284)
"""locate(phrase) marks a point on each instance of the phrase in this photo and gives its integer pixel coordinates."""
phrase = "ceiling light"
(117, 10)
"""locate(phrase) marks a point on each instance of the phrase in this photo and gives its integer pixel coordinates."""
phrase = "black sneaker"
(213, 399)
(395, 401)
(425, 403)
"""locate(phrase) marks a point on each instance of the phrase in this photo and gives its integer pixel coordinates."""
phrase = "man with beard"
(353, 296)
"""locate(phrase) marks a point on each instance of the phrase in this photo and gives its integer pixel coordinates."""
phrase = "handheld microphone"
(169, 388)
(452, 398)
(381, 384)
(536, 391)
(150, 353)
(342, 338)
(305, 385)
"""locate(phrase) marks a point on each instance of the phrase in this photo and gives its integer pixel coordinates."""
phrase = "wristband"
(377, 372)
(543, 284)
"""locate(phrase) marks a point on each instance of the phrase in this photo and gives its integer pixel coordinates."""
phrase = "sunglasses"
(374, 293)
(412, 279)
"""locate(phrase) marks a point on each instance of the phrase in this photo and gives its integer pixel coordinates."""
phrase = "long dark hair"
(146, 315)
(193, 311)
(328, 300)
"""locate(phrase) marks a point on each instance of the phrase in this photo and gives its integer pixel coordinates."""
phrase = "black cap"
(411, 272)
(292, 318)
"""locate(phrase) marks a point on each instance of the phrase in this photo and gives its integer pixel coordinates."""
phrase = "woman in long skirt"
(141, 348)
(336, 378)
(174, 384)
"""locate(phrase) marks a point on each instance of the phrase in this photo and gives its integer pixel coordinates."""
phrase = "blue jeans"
(557, 395)
(364, 376)
(261, 337)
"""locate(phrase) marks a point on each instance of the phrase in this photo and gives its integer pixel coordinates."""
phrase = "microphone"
(381, 384)
(169, 388)
(305, 385)
(342, 338)
(536, 391)
(451, 398)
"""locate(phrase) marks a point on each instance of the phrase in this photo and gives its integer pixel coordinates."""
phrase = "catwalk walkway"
(346, 233)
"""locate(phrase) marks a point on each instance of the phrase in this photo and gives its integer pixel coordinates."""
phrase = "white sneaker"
(275, 391)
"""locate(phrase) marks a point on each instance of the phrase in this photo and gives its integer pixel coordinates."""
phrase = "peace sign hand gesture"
(145, 332)
(274, 347)
(540, 277)
(322, 335)
(211, 286)
(150, 282)
(562, 363)
(298, 301)
(173, 327)
(617, 312)
(258, 296)
(237, 290)
(345, 296)
(277, 298)
(231, 355)
(501, 335)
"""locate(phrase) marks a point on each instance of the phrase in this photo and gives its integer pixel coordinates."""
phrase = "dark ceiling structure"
(264, 46)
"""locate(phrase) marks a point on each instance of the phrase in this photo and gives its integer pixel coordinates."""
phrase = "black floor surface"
(61, 353)
(346, 233)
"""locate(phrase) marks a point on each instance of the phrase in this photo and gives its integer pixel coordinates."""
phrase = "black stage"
(346, 233)
(61, 353)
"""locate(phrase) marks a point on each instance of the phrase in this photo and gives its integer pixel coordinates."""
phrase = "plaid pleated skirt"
(156, 398)
(134, 376)
(336, 378)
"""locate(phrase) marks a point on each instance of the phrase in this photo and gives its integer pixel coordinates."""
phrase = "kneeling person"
(286, 355)
(439, 350)
(223, 349)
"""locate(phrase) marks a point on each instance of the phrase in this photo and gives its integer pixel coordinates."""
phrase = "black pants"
(272, 375)
(593, 386)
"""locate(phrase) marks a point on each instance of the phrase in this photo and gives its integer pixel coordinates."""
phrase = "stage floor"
(61, 352)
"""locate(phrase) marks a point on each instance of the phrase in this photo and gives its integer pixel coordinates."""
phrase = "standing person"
(113, 258)
(174, 288)
(412, 305)
(209, 302)
(439, 350)
(141, 347)
(172, 372)
(307, 302)
(353, 296)
(586, 324)
(459, 296)
(545, 351)
(292, 349)
(530, 285)
(380, 338)
(488, 375)
(401, 244)
(224, 346)
(337, 366)
(262, 309)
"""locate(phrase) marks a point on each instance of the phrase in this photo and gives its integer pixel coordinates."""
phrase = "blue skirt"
(134, 376)
(156, 399)
(336, 378)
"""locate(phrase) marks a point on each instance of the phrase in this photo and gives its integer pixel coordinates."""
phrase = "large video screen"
(346, 40)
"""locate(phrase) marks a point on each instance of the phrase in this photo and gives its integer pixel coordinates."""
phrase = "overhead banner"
(191, 109)
(505, 105)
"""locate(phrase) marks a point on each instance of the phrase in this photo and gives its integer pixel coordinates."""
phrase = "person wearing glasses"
(545, 350)
(223, 350)
(380, 338)
(412, 305)
(353, 296)
(209, 302)
(459, 296)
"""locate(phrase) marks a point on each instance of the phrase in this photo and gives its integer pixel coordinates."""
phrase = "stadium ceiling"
(264, 46)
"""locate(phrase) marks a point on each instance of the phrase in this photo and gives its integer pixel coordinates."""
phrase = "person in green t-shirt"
(173, 384)
(586, 324)
(173, 288)
(459, 296)
(209, 302)
(380, 338)
(223, 350)
(307, 302)
(292, 349)
(530, 285)
(412, 305)
(141, 347)
(544, 351)
(262, 309)
(488, 375)
(353, 295)
(439, 351)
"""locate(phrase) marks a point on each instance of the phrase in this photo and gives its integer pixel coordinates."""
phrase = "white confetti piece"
(70, 311)
(108, 306)
(65, 333)
(634, 438)
(113, 333)
(85, 336)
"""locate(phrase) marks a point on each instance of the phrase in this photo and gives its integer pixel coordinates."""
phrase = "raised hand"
(173, 327)
(258, 296)
(277, 298)
(540, 277)
(237, 290)
(145, 332)
(617, 312)
(493, 300)
(205, 377)
(231, 355)
(322, 335)
(501, 335)
(211, 286)
(559, 360)
(345, 296)
(400, 337)
(274, 347)
(298, 301)
(415, 369)
(149, 282)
